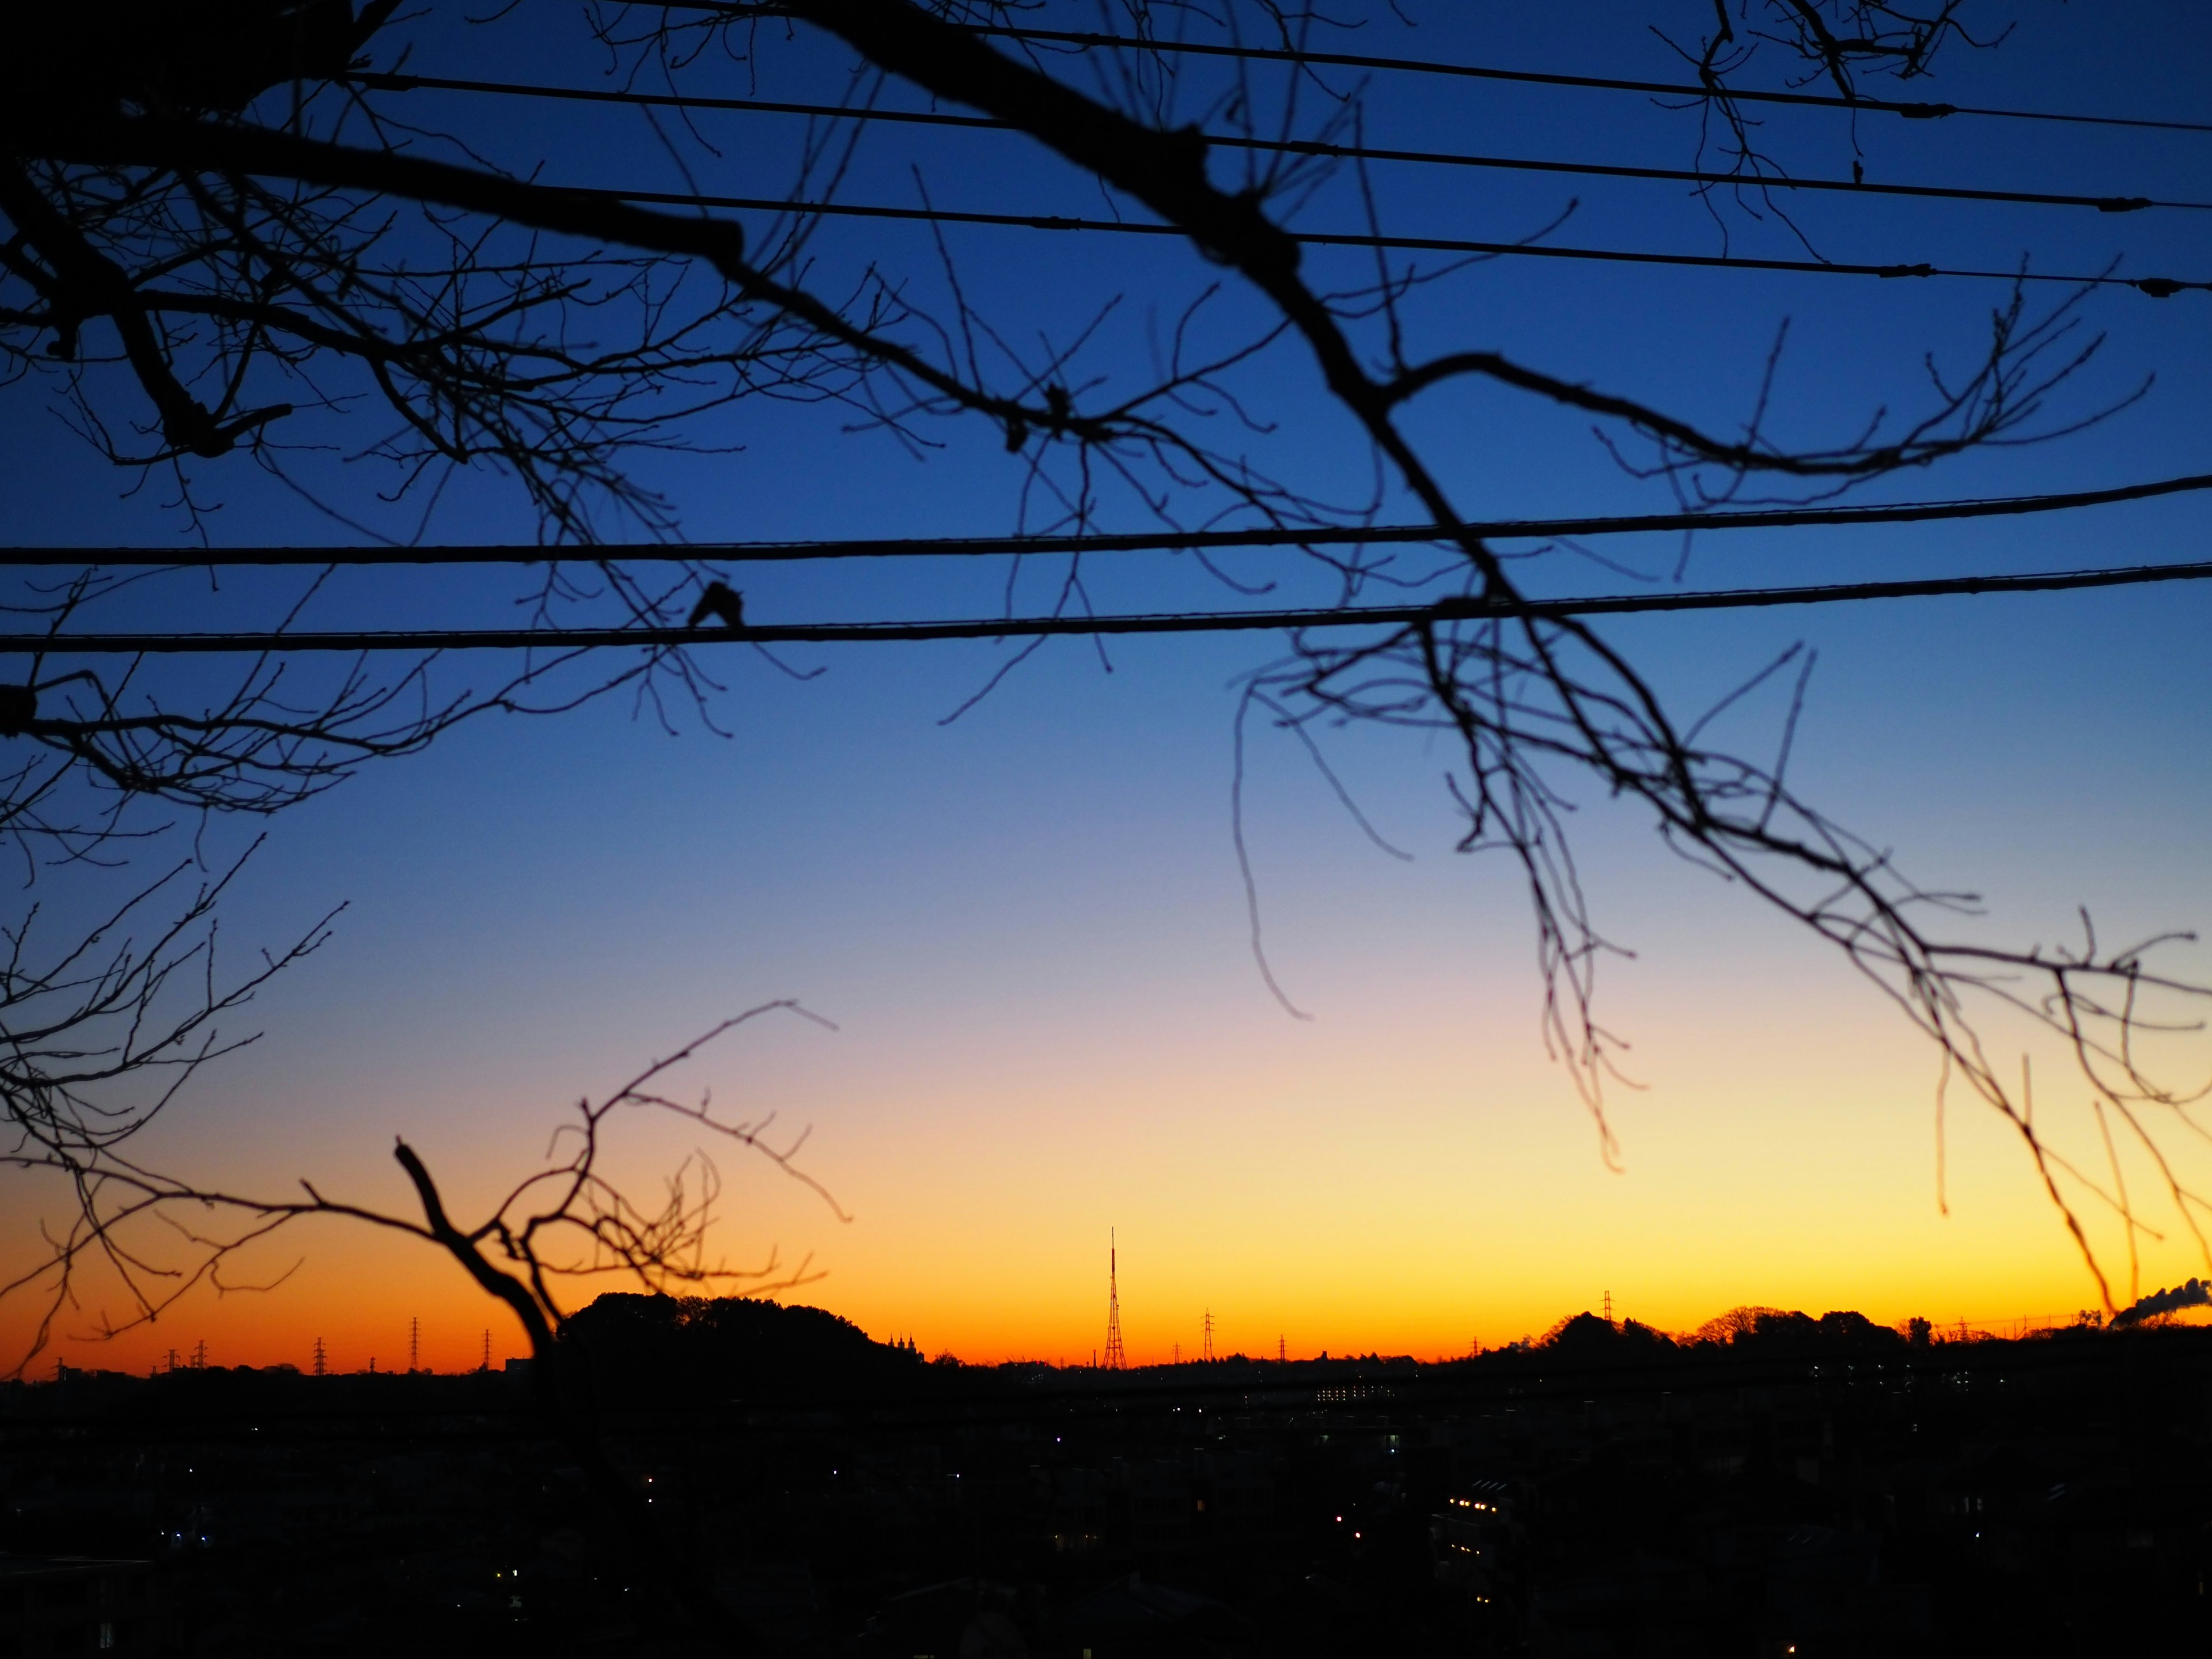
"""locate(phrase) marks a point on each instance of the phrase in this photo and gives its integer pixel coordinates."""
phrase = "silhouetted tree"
(1585, 1336)
(715, 1350)
(562, 1230)
(1791, 1331)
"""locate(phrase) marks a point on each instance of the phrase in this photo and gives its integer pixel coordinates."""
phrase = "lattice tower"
(1116, 1360)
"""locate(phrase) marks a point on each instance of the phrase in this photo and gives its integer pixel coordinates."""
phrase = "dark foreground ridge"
(1783, 1485)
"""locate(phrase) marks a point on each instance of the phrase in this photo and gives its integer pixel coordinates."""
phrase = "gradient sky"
(1029, 925)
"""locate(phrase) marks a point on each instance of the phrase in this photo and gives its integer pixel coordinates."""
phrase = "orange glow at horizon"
(1351, 1194)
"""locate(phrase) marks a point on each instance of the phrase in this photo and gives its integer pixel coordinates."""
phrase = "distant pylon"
(1608, 1307)
(199, 1355)
(322, 1364)
(1209, 1336)
(414, 1346)
(487, 1352)
(1115, 1359)
(1282, 1349)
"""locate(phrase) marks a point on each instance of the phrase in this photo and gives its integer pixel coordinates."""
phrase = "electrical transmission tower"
(322, 1364)
(199, 1355)
(1608, 1307)
(1115, 1359)
(487, 1352)
(414, 1346)
(1282, 1350)
(1209, 1336)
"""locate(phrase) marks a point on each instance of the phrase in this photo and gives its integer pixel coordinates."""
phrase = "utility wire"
(1278, 146)
(1911, 112)
(2159, 287)
(1785, 518)
(1183, 621)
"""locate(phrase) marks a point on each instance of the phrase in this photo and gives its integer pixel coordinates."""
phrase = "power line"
(2159, 287)
(1278, 146)
(1910, 110)
(1188, 622)
(1788, 518)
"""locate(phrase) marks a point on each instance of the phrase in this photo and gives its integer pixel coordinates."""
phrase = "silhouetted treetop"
(721, 1346)
(1585, 1336)
(1776, 1329)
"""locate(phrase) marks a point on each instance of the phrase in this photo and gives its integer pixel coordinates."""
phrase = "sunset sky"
(1029, 926)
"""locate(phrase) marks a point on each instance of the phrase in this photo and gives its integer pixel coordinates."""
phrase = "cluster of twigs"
(1841, 43)
(1534, 706)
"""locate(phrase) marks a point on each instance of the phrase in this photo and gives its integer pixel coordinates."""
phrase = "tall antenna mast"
(1115, 1359)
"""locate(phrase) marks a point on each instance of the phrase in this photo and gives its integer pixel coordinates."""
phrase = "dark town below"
(757, 1479)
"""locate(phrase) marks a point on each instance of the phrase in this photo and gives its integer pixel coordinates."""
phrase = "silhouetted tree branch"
(566, 1223)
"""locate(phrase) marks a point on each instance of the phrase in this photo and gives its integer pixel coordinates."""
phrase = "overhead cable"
(1784, 518)
(1183, 621)
(2159, 287)
(1910, 110)
(1276, 146)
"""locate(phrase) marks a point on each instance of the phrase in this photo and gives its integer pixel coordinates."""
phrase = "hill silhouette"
(1770, 1331)
(734, 1348)
(1585, 1336)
